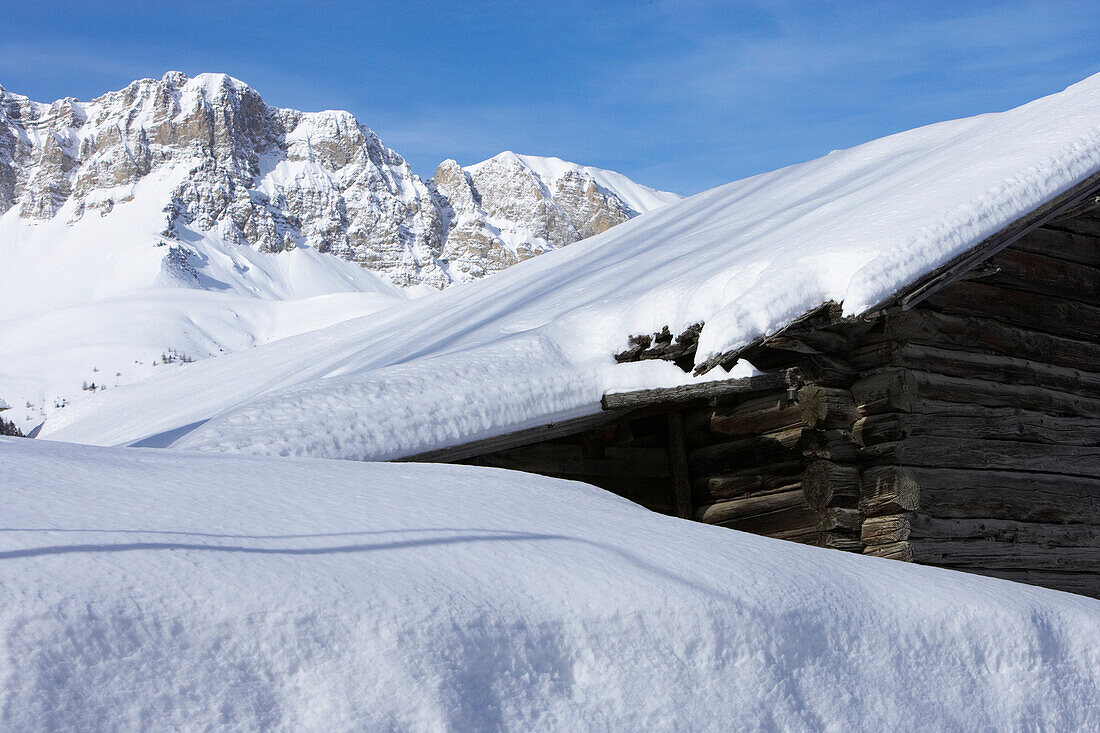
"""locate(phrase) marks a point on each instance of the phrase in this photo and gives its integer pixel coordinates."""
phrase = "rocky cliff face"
(276, 179)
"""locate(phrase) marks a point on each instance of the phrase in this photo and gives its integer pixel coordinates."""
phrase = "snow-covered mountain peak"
(273, 179)
(511, 207)
(551, 171)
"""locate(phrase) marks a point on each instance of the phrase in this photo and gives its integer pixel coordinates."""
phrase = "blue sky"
(678, 95)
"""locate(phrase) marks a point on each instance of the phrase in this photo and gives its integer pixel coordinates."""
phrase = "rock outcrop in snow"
(512, 207)
(276, 179)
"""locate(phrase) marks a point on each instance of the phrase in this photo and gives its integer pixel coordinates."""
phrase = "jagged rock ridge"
(278, 178)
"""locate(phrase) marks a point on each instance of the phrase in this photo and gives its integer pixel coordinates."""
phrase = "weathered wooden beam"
(990, 554)
(1002, 455)
(960, 420)
(828, 484)
(1039, 273)
(1061, 244)
(916, 525)
(904, 390)
(744, 453)
(691, 392)
(678, 467)
(831, 445)
(754, 416)
(841, 541)
(1088, 226)
(974, 493)
(764, 478)
(979, 334)
(1085, 583)
(789, 523)
(968, 364)
(840, 519)
(1035, 311)
(724, 511)
(827, 408)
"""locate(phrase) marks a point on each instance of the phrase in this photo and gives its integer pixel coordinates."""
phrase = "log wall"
(963, 433)
(979, 419)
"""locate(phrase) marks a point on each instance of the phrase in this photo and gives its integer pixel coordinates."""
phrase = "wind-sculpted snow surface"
(144, 589)
(744, 259)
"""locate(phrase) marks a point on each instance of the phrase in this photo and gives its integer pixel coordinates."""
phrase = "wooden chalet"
(955, 424)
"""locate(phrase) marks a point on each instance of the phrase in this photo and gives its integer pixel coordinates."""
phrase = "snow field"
(167, 589)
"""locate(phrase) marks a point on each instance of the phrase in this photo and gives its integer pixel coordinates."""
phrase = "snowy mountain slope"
(143, 588)
(111, 209)
(270, 178)
(535, 343)
(252, 174)
(101, 299)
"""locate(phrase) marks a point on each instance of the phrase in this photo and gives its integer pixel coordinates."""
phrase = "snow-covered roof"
(251, 593)
(534, 344)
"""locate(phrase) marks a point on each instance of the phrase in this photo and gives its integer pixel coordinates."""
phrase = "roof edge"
(931, 282)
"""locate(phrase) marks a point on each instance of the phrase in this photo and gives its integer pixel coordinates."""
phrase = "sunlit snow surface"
(535, 343)
(98, 300)
(166, 590)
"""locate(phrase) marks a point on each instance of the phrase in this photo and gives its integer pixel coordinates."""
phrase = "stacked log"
(979, 421)
(747, 469)
(781, 467)
(831, 475)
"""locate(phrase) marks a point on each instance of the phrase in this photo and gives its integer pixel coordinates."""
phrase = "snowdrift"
(534, 344)
(146, 589)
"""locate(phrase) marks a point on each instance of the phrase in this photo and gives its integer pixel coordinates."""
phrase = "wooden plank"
(840, 519)
(692, 392)
(743, 453)
(967, 493)
(906, 390)
(831, 445)
(764, 478)
(830, 484)
(1035, 311)
(754, 416)
(1062, 245)
(966, 363)
(1038, 273)
(724, 511)
(1084, 583)
(917, 525)
(516, 439)
(971, 333)
(841, 541)
(960, 420)
(827, 407)
(1002, 455)
(1001, 555)
(678, 467)
(1084, 225)
(915, 292)
(797, 521)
